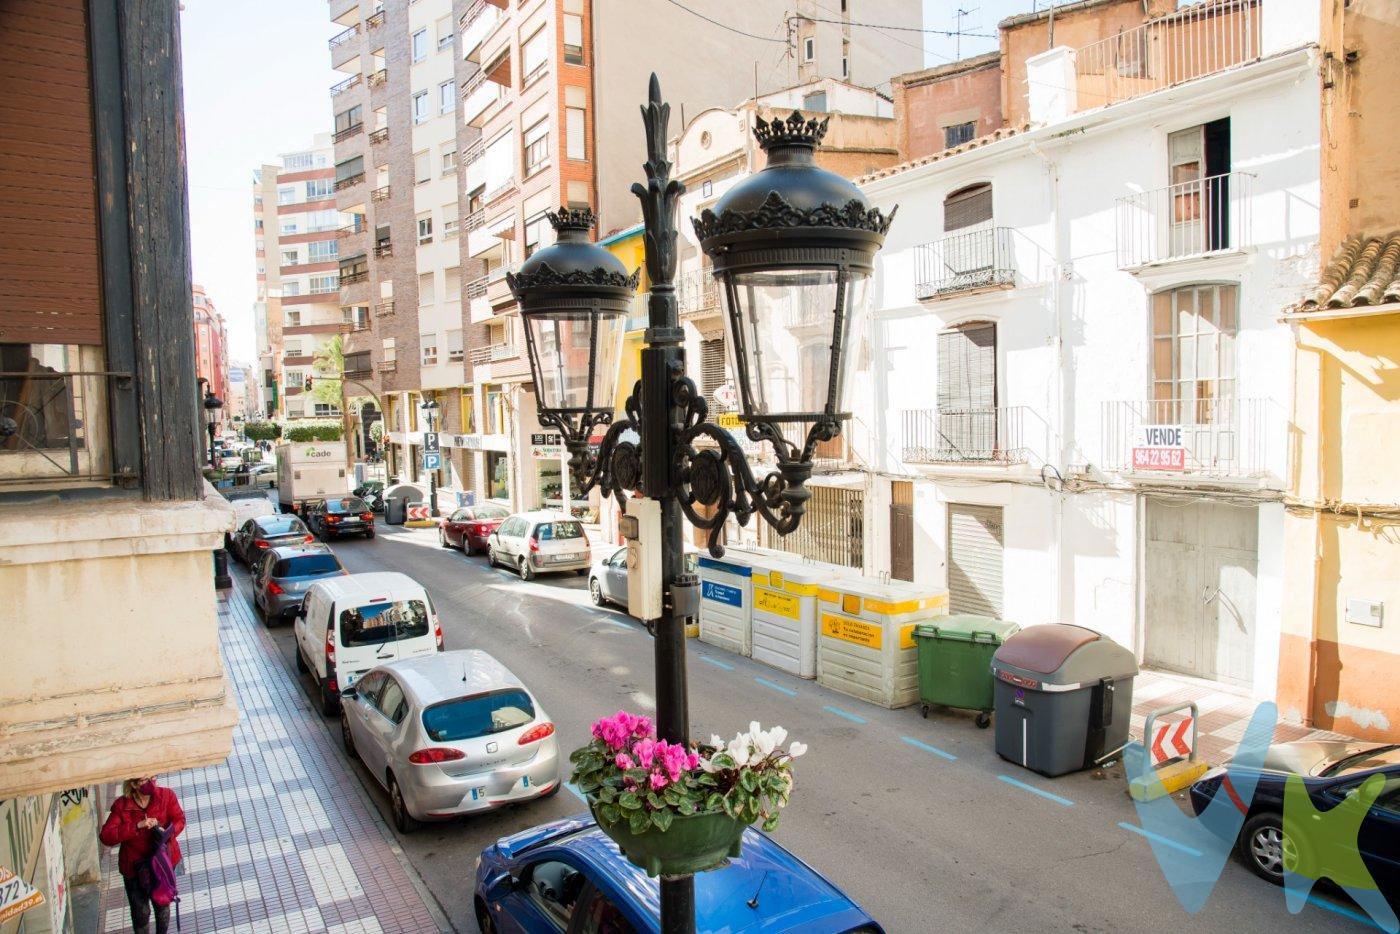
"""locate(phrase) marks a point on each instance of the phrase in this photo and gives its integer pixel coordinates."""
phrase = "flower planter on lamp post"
(792, 247)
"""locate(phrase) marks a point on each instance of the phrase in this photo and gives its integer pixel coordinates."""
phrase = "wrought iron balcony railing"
(380, 194)
(380, 135)
(346, 85)
(344, 36)
(988, 436)
(477, 287)
(384, 309)
(697, 292)
(978, 259)
(349, 181)
(1223, 437)
(1188, 219)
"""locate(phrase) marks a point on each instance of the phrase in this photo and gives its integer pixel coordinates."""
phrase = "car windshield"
(488, 512)
(349, 504)
(305, 565)
(479, 715)
(281, 525)
(383, 622)
(553, 531)
(1364, 761)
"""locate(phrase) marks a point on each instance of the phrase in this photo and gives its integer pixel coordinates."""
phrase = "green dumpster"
(955, 663)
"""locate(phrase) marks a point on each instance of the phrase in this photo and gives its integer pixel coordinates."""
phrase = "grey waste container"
(1064, 696)
(395, 511)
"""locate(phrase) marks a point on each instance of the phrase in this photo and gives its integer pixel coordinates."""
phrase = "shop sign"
(1159, 447)
(546, 452)
(855, 631)
(16, 895)
(543, 438)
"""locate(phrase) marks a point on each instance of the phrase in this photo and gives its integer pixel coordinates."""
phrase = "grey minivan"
(280, 579)
(531, 543)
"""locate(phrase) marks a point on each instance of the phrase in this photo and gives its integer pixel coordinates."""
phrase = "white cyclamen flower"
(739, 752)
(779, 735)
(797, 749)
(764, 743)
(715, 741)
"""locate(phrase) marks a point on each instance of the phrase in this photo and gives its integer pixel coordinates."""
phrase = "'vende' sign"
(1159, 447)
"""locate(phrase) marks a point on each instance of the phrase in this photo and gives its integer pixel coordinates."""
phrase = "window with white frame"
(318, 189)
(317, 221)
(1193, 354)
(448, 152)
(322, 251)
(454, 345)
(288, 227)
(420, 107)
(295, 407)
(428, 344)
(425, 227)
(291, 288)
(534, 55)
(809, 48)
(449, 220)
(320, 285)
(293, 319)
(324, 408)
(534, 233)
(422, 167)
(575, 133)
(426, 294)
(444, 33)
(295, 377)
(447, 96)
(297, 160)
(287, 194)
(573, 39)
(290, 258)
(452, 283)
(419, 44)
(536, 141)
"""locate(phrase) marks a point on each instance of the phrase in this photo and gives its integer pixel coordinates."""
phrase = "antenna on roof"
(958, 29)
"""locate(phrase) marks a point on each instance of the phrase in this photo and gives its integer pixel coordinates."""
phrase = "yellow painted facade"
(629, 247)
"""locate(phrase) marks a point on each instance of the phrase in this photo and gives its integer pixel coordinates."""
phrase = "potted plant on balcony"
(674, 809)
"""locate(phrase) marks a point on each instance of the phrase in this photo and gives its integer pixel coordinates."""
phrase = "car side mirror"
(347, 693)
(301, 612)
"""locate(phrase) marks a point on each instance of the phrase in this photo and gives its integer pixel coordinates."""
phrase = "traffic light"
(307, 384)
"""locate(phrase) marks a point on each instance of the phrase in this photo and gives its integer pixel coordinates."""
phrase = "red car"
(469, 527)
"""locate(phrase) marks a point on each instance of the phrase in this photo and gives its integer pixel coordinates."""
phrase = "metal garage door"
(1201, 563)
(974, 559)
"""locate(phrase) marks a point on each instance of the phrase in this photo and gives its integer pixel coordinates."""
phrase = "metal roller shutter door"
(974, 560)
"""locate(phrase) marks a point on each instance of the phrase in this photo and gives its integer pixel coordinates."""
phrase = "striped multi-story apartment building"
(460, 124)
(297, 311)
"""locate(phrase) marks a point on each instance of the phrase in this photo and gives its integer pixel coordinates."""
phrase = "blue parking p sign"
(432, 461)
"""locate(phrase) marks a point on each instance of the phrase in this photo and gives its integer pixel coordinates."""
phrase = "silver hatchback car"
(448, 734)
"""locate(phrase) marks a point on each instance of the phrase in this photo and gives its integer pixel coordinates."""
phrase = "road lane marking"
(716, 662)
(773, 685)
(1165, 841)
(1036, 791)
(1324, 904)
(577, 794)
(919, 744)
(845, 713)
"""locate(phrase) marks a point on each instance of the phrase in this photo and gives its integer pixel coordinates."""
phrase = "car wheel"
(442, 539)
(369, 534)
(403, 820)
(346, 739)
(595, 591)
(490, 556)
(484, 924)
(330, 701)
(1265, 848)
(527, 573)
(301, 662)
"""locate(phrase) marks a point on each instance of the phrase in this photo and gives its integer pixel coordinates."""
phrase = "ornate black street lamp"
(793, 247)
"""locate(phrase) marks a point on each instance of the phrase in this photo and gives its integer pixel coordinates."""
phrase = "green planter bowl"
(691, 844)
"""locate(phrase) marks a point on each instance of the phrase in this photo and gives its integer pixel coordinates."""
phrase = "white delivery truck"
(308, 471)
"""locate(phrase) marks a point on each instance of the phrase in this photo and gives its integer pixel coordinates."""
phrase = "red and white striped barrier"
(418, 513)
(1169, 741)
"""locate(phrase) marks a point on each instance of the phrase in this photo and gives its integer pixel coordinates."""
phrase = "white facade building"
(1046, 297)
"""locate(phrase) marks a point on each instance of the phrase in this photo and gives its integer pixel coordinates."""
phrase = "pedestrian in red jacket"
(143, 807)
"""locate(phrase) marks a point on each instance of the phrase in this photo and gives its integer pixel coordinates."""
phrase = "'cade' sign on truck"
(1159, 447)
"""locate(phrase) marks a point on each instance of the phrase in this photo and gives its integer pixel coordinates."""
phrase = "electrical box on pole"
(642, 529)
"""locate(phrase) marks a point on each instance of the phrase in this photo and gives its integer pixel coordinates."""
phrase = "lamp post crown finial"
(572, 219)
(796, 130)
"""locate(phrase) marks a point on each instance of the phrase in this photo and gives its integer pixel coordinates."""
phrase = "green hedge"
(319, 431)
(262, 431)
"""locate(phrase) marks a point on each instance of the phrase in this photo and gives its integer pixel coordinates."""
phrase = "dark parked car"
(468, 528)
(264, 532)
(280, 579)
(1330, 771)
(346, 515)
(568, 876)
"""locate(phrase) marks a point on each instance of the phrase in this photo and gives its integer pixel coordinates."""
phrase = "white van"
(352, 623)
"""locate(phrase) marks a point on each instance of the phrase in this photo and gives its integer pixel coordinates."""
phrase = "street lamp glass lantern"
(574, 299)
(793, 248)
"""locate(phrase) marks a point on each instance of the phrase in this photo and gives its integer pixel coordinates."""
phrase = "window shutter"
(975, 560)
(967, 391)
(711, 368)
(967, 207)
(48, 223)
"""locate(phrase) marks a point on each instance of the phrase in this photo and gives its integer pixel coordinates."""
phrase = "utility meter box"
(642, 529)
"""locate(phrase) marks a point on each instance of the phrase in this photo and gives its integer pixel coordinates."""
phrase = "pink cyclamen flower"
(624, 761)
(659, 781)
(645, 751)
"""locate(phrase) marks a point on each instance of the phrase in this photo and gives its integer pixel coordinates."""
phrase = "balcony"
(384, 309)
(349, 181)
(476, 24)
(697, 294)
(384, 248)
(374, 20)
(1191, 43)
(493, 353)
(478, 99)
(473, 220)
(351, 278)
(1225, 437)
(380, 135)
(965, 262)
(344, 36)
(477, 287)
(378, 78)
(342, 135)
(388, 366)
(970, 436)
(380, 194)
(497, 289)
(346, 85)
(358, 365)
(1184, 221)
(351, 230)
(474, 152)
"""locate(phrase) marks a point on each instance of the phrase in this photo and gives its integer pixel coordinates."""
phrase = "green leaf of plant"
(714, 802)
(638, 821)
(629, 801)
(686, 807)
(662, 820)
(609, 812)
(771, 824)
(607, 793)
(749, 781)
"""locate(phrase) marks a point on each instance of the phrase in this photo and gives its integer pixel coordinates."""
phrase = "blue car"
(1330, 771)
(567, 876)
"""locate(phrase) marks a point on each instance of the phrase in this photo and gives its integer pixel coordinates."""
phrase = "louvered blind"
(711, 367)
(967, 390)
(967, 207)
(974, 560)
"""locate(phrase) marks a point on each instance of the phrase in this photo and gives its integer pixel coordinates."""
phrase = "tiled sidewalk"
(280, 838)
(1224, 715)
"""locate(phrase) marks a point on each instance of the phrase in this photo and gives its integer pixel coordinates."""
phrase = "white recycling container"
(865, 638)
(785, 614)
(726, 602)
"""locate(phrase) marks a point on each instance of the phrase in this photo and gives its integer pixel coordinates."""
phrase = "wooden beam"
(170, 421)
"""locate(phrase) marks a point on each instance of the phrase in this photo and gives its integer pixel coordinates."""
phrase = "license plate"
(560, 559)
(478, 793)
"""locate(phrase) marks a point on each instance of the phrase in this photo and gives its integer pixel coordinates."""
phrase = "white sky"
(257, 80)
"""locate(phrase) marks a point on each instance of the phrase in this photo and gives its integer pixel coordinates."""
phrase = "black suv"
(347, 515)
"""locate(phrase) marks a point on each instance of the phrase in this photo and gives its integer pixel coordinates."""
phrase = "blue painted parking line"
(1158, 838)
(776, 687)
(844, 713)
(716, 662)
(1324, 904)
(577, 794)
(1036, 791)
(919, 744)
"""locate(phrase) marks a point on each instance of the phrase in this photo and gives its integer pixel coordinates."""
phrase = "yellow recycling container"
(865, 637)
